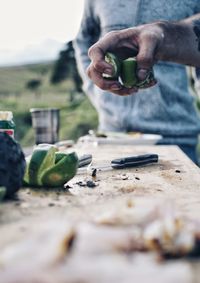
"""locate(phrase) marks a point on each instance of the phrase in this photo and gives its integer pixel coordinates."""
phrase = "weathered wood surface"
(174, 178)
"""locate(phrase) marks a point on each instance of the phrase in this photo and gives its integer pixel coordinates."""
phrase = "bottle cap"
(6, 115)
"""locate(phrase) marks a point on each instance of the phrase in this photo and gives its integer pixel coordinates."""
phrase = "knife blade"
(84, 160)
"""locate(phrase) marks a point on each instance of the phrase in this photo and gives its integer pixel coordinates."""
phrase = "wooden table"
(175, 178)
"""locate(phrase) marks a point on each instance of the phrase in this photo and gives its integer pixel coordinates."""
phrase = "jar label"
(10, 132)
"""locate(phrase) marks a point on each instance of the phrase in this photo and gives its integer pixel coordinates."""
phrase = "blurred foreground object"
(12, 166)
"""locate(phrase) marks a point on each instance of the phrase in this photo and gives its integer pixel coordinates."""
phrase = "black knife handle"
(134, 161)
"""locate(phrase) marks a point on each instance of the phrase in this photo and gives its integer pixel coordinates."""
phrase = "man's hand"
(168, 41)
(141, 42)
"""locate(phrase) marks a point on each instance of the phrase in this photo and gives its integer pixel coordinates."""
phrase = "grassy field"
(77, 114)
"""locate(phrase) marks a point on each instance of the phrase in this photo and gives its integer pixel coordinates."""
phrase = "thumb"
(145, 57)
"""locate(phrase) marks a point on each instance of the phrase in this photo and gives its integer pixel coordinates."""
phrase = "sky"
(29, 22)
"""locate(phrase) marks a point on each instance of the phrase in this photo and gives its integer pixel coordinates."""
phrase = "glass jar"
(6, 123)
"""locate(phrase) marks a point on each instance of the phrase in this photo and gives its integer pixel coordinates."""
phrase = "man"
(167, 108)
(168, 41)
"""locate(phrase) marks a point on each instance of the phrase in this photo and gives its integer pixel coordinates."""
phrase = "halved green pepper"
(48, 168)
(64, 170)
(126, 71)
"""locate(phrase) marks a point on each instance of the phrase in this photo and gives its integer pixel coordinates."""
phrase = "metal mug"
(46, 123)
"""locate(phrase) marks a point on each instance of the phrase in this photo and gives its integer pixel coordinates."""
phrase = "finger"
(108, 85)
(101, 82)
(97, 57)
(104, 44)
(151, 84)
(125, 91)
(97, 52)
(145, 57)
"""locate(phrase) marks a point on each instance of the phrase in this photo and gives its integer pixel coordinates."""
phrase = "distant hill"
(13, 79)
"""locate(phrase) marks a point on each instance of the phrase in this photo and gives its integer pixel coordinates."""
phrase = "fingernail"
(108, 72)
(142, 74)
(115, 87)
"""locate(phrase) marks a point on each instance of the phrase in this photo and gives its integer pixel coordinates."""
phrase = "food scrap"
(87, 183)
(126, 70)
(90, 184)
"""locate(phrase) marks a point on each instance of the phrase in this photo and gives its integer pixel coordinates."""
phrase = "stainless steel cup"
(46, 123)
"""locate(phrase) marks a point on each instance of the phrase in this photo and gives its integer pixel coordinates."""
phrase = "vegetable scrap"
(87, 183)
(125, 71)
(81, 183)
(90, 184)
(121, 177)
(162, 230)
(94, 172)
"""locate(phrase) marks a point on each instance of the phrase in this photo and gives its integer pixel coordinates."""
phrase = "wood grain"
(175, 179)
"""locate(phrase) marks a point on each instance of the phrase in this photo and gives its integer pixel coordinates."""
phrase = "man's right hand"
(162, 40)
(141, 42)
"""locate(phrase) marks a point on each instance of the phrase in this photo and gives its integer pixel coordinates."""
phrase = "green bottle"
(6, 123)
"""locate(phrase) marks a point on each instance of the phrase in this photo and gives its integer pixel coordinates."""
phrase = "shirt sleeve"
(197, 8)
(87, 35)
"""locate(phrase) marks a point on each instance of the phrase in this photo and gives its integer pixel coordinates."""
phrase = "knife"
(123, 162)
(84, 160)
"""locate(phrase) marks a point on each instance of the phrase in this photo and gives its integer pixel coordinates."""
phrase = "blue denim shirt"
(166, 109)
